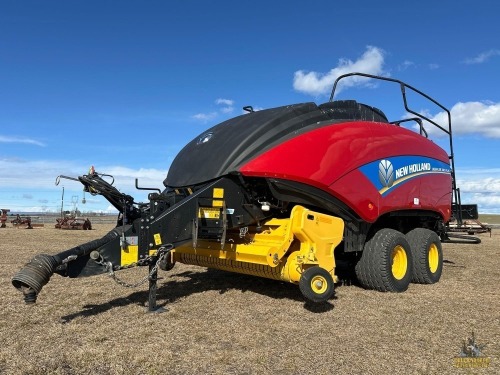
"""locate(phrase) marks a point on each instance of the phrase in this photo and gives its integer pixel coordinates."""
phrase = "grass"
(489, 218)
(223, 323)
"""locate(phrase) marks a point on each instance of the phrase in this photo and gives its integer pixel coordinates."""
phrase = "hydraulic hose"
(38, 271)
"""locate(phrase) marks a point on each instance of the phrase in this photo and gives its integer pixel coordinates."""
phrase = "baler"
(284, 193)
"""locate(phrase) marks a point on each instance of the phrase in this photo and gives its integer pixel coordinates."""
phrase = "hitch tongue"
(38, 271)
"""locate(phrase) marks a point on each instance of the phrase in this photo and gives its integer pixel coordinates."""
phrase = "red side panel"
(345, 160)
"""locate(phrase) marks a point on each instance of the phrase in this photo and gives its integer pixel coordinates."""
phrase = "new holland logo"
(386, 173)
(204, 138)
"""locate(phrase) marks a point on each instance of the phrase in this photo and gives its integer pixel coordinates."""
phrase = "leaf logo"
(386, 173)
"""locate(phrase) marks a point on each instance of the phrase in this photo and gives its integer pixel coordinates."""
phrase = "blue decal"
(387, 173)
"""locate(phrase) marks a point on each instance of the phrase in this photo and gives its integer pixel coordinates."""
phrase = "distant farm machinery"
(3, 217)
(18, 222)
(22, 221)
(71, 222)
(464, 223)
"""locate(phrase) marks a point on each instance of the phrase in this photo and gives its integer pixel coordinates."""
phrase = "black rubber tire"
(352, 110)
(423, 243)
(308, 286)
(375, 268)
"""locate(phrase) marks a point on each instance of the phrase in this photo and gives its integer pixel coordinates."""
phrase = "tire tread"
(373, 270)
(420, 239)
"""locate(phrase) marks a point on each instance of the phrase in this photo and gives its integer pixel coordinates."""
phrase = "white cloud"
(480, 186)
(482, 57)
(314, 83)
(473, 118)
(110, 209)
(25, 181)
(125, 177)
(486, 203)
(205, 116)
(6, 139)
(17, 172)
(228, 105)
(226, 102)
(42, 174)
(433, 66)
(405, 65)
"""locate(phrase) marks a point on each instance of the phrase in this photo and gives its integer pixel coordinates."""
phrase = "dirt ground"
(223, 323)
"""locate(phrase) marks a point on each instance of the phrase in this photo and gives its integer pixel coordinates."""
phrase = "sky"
(124, 85)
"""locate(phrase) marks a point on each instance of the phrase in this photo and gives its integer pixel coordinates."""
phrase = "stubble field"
(223, 323)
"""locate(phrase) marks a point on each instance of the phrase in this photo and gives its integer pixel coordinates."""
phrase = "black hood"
(224, 148)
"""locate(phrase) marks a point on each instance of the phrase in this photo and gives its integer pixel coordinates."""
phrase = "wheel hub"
(399, 262)
(318, 284)
(433, 257)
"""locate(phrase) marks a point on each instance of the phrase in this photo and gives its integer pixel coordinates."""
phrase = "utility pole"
(62, 203)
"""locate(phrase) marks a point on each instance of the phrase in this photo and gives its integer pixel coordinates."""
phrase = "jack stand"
(153, 278)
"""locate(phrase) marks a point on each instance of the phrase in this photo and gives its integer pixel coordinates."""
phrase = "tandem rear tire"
(316, 284)
(427, 255)
(386, 262)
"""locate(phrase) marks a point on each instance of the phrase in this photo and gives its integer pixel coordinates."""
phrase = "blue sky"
(124, 85)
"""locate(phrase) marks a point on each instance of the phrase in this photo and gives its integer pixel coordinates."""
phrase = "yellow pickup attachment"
(282, 250)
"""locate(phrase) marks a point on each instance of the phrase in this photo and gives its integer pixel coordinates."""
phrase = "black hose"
(38, 271)
(34, 276)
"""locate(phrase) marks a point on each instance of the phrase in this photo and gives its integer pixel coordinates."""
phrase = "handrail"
(417, 120)
(403, 86)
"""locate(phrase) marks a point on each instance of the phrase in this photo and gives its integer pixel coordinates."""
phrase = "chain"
(111, 272)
